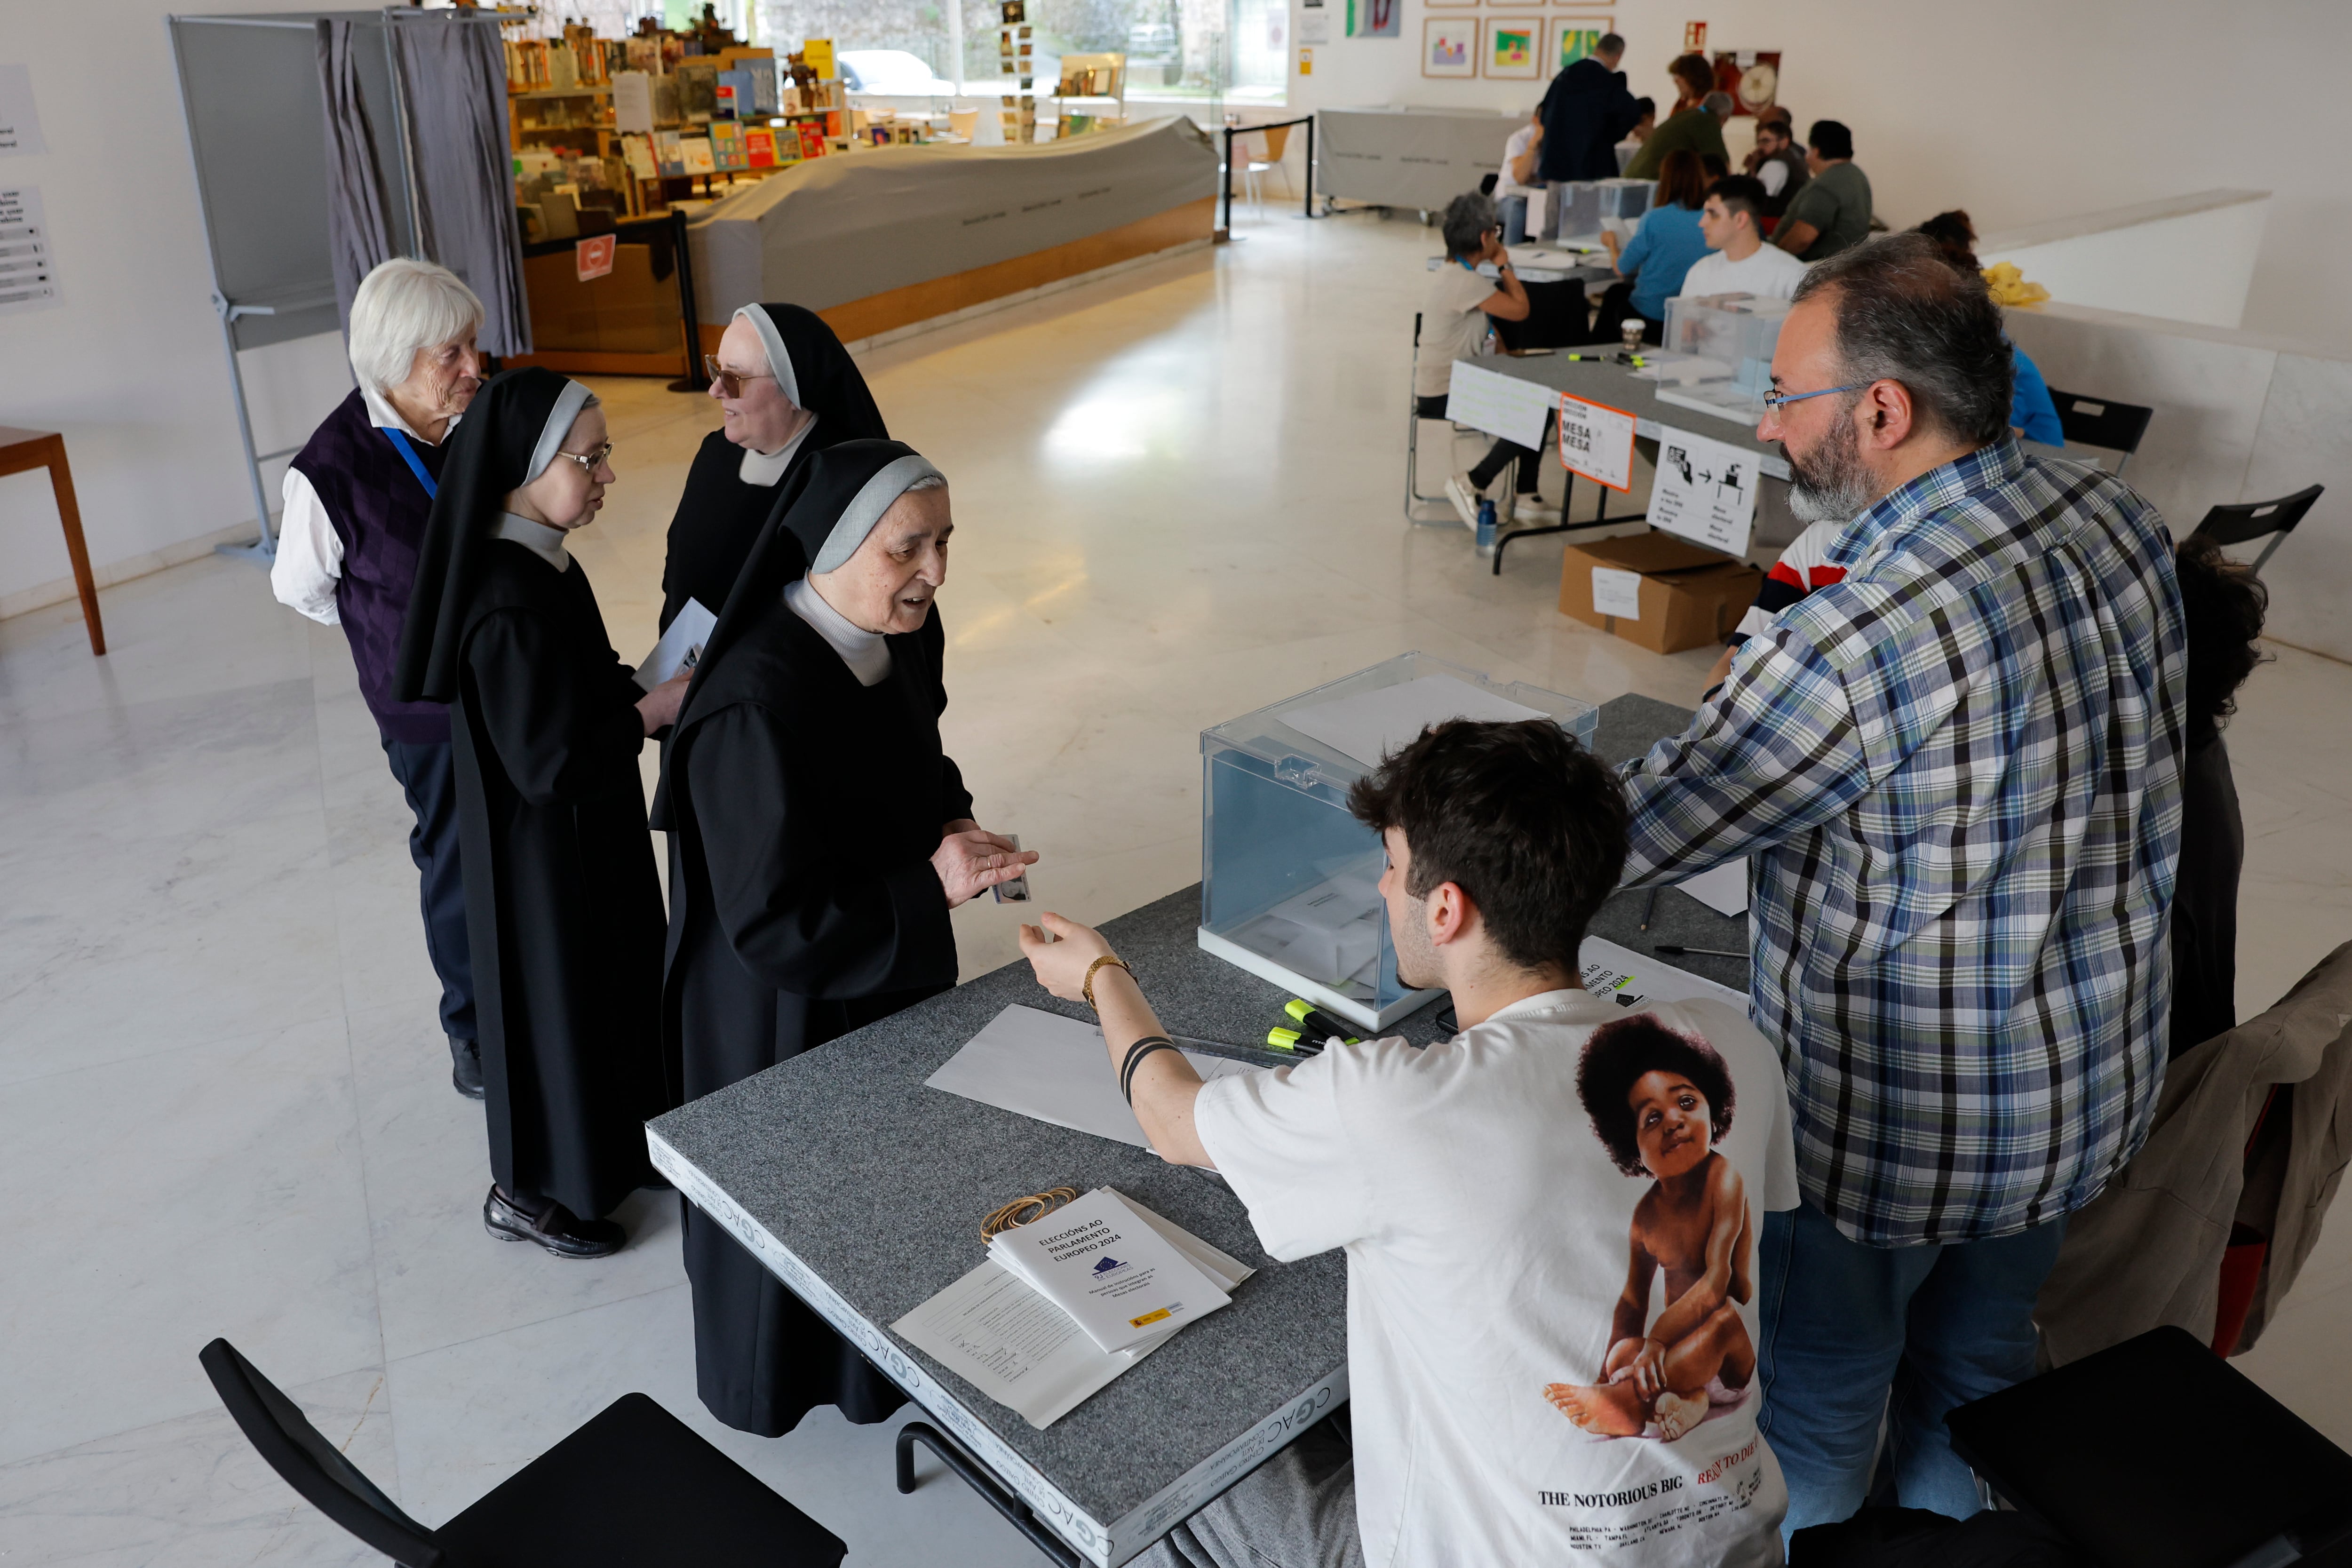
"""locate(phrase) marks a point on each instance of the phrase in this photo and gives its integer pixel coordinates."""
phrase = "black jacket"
(1586, 112)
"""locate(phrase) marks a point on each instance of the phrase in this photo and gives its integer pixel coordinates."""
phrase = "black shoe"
(465, 1066)
(557, 1229)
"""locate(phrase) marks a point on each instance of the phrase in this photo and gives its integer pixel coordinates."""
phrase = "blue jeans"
(1847, 1327)
(1513, 211)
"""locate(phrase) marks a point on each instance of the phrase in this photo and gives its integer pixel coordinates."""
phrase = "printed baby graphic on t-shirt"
(1660, 1100)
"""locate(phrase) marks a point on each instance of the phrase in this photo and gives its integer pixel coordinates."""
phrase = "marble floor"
(224, 1104)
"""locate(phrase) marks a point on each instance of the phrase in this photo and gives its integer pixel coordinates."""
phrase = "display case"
(1729, 338)
(1289, 879)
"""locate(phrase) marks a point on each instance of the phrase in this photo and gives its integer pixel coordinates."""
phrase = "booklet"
(1118, 1277)
(680, 646)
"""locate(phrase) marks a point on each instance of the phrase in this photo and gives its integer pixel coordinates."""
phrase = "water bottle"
(1485, 525)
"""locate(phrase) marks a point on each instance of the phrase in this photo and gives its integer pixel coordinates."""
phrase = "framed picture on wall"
(1515, 49)
(1449, 46)
(1575, 38)
(1443, 5)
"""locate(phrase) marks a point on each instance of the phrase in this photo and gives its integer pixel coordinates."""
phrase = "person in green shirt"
(1689, 129)
(1831, 212)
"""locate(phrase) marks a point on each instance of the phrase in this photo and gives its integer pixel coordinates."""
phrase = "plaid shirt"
(1959, 772)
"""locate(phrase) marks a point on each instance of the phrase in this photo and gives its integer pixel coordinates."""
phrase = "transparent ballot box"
(1580, 209)
(1626, 199)
(1729, 338)
(1289, 880)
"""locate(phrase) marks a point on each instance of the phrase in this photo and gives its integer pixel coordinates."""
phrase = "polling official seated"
(1665, 246)
(1509, 1202)
(1456, 318)
(1737, 261)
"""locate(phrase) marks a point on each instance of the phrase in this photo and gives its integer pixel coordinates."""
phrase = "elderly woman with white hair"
(356, 500)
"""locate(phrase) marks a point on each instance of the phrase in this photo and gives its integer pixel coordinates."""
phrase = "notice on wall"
(1597, 441)
(20, 122)
(1705, 491)
(1315, 28)
(1616, 593)
(28, 280)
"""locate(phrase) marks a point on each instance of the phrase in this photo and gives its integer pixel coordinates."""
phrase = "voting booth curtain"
(359, 213)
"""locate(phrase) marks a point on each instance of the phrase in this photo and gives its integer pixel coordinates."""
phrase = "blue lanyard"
(416, 465)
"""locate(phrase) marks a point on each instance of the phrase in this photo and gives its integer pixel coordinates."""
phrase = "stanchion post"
(1226, 178)
(1310, 166)
(693, 380)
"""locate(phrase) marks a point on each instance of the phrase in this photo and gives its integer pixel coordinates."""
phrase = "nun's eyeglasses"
(730, 382)
(589, 461)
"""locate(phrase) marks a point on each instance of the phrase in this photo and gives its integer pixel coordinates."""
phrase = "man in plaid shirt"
(1959, 772)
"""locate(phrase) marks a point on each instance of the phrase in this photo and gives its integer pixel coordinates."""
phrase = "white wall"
(2190, 259)
(2020, 110)
(130, 367)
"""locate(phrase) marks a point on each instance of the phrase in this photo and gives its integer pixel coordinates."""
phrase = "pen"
(1675, 949)
(1310, 1017)
(1649, 906)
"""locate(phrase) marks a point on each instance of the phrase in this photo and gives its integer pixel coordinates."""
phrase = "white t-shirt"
(1506, 185)
(1490, 1234)
(1774, 174)
(1771, 274)
(1452, 326)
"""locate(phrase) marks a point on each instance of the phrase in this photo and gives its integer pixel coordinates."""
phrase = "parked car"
(893, 71)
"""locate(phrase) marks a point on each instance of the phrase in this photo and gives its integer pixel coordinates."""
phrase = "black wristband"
(1135, 1055)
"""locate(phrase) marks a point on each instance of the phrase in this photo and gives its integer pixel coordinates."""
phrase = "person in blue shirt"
(1663, 249)
(2031, 413)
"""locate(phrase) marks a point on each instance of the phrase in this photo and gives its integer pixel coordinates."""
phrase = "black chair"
(2102, 422)
(2157, 1453)
(634, 1486)
(2249, 520)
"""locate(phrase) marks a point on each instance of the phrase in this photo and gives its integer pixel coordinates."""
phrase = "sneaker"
(1464, 499)
(554, 1228)
(1527, 508)
(465, 1066)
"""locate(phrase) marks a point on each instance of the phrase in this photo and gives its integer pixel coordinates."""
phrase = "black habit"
(804, 811)
(718, 515)
(562, 902)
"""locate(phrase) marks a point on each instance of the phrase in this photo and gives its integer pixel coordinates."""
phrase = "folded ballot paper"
(680, 646)
(1006, 1338)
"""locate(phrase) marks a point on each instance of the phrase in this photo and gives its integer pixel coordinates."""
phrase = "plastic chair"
(1276, 139)
(2249, 519)
(2100, 422)
(634, 1486)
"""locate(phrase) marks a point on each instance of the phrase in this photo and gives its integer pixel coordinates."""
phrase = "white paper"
(20, 120)
(28, 280)
(633, 102)
(680, 646)
(1057, 1070)
(1705, 491)
(1723, 889)
(1616, 593)
(1596, 441)
(1629, 979)
(1120, 1278)
(1368, 725)
(1330, 933)
(1315, 28)
(1539, 208)
(1499, 404)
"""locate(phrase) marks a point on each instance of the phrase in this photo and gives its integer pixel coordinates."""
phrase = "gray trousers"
(1296, 1511)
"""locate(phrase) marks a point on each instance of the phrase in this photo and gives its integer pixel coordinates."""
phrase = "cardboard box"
(1687, 596)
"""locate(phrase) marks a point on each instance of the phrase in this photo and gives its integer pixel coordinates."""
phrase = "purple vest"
(378, 510)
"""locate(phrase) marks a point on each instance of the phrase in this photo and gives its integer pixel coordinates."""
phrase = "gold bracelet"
(1087, 990)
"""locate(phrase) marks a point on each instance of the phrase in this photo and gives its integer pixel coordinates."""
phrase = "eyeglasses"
(589, 461)
(730, 382)
(1776, 399)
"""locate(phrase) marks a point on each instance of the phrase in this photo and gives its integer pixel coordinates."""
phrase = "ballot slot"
(1291, 879)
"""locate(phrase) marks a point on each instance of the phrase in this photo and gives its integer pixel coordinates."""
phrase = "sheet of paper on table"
(1054, 1069)
(1013, 1345)
(680, 646)
(1368, 725)
(1629, 978)
(1723, 889)
(1499, 404)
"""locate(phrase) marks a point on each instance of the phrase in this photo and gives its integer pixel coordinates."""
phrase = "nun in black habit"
(562, 899)
(819, 835)
(789, 390)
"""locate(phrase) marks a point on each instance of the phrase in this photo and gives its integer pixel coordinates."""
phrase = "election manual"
(1117, 1276)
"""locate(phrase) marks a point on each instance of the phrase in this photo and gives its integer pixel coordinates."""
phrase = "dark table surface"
(877, 1184)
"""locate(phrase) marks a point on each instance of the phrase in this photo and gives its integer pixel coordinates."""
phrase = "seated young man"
(1518, 1395)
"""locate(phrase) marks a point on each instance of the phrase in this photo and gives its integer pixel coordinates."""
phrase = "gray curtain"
(453, 80)
(359, 220)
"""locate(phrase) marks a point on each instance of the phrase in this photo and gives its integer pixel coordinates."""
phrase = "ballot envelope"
(1289, 879)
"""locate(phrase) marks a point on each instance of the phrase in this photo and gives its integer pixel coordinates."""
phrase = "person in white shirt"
(1516, 182)
(1738, 260)
(1549, 1220)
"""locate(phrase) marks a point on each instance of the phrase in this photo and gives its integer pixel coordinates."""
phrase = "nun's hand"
(659, 706)
(972, 860)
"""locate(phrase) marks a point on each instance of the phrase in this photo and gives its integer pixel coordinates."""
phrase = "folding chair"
(634, 1486)
(2098, 422)
(1414, 499)
(2249, 520)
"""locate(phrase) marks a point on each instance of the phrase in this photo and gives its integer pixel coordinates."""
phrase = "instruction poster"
(1705, 491)
(27, 280)
(1597, 441)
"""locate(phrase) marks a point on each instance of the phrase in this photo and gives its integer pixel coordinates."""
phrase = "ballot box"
(1729, 338)
(1289, 879)
(1625, 200)
(1580, 209)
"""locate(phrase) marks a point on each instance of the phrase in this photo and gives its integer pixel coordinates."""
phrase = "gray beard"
(1830, 485)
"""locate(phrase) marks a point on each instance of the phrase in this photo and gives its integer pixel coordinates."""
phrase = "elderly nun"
(819, 836)
(789, 390)
(561, 897)
(356, 498)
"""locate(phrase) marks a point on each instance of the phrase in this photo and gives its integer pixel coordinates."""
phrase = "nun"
(819, 836)
(562, 904)
(789, 390)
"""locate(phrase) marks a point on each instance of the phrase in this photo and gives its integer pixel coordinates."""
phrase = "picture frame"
(1449, 46)
(1572, 38)
(1514, 48)
(1449, 4)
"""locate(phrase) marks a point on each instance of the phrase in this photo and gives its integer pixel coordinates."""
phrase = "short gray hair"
(1904, 314)
(1468, 217)
(402, 306)
(1718, 104)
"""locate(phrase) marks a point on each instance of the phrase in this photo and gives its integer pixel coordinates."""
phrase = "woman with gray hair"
(356, 498)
